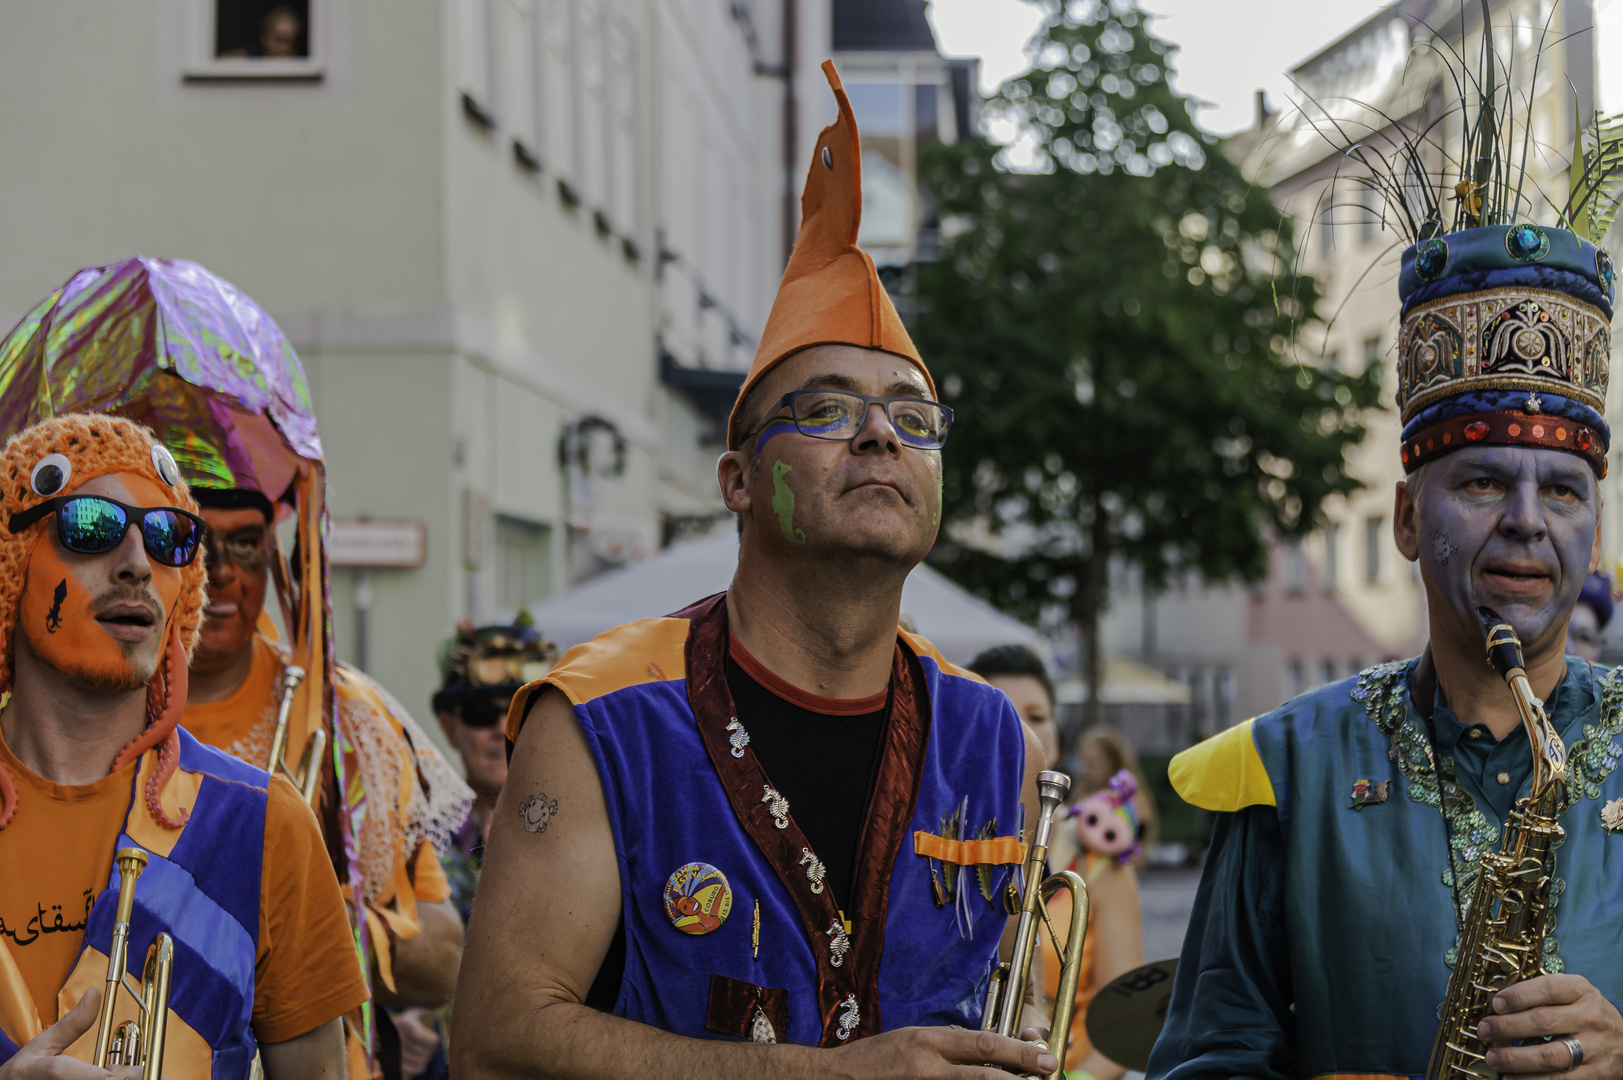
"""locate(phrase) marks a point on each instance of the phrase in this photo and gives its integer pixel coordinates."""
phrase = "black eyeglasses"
(838, 415)
(95, 525)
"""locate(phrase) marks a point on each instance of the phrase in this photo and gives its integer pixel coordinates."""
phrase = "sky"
(1229, 49)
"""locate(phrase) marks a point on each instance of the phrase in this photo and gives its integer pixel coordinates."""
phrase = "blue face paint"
(1512, 528)
(775, 427)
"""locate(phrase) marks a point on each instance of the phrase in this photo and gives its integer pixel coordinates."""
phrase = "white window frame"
(202, 64)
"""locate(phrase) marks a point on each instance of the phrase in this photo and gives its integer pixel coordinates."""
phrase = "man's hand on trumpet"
(950, 1053)
(41, 1057)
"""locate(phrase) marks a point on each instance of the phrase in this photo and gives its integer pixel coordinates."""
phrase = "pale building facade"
(525, 248)
(482, 223)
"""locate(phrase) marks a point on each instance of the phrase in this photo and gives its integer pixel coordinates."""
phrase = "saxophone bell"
(1006, 992)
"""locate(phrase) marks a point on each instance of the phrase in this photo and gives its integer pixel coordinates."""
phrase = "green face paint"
(783, 504)
(940, 491)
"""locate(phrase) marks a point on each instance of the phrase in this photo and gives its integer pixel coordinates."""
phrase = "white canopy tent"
(957, 622)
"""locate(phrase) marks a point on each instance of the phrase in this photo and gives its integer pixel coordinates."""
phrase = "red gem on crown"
(1476, 431)
(1586, 439)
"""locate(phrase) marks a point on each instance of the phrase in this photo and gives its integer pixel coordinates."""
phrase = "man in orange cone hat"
(727, 823)
(168, 343)
(100, 597)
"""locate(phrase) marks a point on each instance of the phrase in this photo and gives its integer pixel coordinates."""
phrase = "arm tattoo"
(538, 813)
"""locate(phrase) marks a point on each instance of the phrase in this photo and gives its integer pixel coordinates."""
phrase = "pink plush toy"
(1107, 822)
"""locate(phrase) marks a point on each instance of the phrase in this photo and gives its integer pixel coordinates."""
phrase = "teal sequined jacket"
(1347, 843)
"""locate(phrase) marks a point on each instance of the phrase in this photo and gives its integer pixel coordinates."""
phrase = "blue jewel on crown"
(1527, 243)
(1604, 267)
(1431, 260)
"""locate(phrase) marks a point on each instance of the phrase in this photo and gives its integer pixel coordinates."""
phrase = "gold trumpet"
(138, 1043)
(1006, 994)
(308, 777)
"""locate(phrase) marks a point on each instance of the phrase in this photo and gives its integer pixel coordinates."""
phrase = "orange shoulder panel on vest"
(648, 650)
(922, 647)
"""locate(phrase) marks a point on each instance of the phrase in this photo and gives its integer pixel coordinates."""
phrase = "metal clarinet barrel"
(308, 776)
(1006, 994)
(135, 1042)
(1502, 937)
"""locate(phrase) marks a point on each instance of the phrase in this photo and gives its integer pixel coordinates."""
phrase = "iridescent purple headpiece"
(167, 343)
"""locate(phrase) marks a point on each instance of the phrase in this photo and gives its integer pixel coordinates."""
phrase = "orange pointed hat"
(830, 293)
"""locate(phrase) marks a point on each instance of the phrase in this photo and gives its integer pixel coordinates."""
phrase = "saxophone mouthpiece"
(1504, 647)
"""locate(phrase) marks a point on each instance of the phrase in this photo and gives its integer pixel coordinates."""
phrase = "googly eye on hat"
(50, 475)
(164, 462)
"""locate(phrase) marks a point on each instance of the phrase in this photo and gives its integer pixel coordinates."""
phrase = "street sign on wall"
(381, 543)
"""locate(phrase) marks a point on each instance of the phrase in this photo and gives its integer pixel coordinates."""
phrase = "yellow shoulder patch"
(648, 650)
(922, 647)
(1225, 773)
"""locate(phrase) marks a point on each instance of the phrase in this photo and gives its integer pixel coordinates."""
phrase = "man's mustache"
(143, 597)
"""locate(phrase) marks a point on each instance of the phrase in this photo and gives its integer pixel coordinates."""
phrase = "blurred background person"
(1102, 752)
(481, 668)
(1115, 941)
(1021, 674)
(1587, 629)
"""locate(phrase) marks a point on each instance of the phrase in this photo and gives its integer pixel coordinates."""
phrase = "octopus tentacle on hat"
(56, 457)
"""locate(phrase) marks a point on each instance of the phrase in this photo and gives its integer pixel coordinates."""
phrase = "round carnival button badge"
(698, 898)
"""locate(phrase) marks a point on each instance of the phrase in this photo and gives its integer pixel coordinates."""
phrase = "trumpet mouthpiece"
(1052, 787)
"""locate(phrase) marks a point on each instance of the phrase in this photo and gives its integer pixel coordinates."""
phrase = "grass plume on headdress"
(1423, 190)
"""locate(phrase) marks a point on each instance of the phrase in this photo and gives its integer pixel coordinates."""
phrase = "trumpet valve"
(127, 1044)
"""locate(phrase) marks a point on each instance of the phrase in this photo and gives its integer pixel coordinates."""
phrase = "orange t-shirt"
(57, 854)
(243, 725)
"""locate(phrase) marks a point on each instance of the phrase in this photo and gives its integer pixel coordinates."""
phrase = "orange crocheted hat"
(96, 446)
(830, 293)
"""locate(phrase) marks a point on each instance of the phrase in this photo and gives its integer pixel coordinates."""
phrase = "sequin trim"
(1382, 690)
(1590, 762)
(1594, 757)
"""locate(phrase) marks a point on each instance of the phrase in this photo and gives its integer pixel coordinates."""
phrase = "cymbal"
(1125, 1017)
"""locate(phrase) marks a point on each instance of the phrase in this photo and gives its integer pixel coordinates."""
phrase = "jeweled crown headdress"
(1506, 324)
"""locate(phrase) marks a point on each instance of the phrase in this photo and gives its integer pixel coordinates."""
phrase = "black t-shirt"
(821, 755)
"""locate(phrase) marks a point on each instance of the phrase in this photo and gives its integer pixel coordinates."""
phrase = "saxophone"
(1502, 941)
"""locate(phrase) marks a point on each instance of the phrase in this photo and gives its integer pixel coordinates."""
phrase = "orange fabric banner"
(997, 851)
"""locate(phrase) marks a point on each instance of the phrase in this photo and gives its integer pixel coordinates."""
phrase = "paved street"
(1166, 897)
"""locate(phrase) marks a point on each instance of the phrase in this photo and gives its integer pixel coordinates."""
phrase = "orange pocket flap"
(998, 851)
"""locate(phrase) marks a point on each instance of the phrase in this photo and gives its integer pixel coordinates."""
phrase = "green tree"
(1116, 330)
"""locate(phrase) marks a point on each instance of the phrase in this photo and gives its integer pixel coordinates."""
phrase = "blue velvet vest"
(201, 885)
(1368, 897)
(682, 787)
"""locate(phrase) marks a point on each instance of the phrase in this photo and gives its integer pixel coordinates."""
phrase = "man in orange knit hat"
(100, 597)
(223, 387)
(757, 820)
